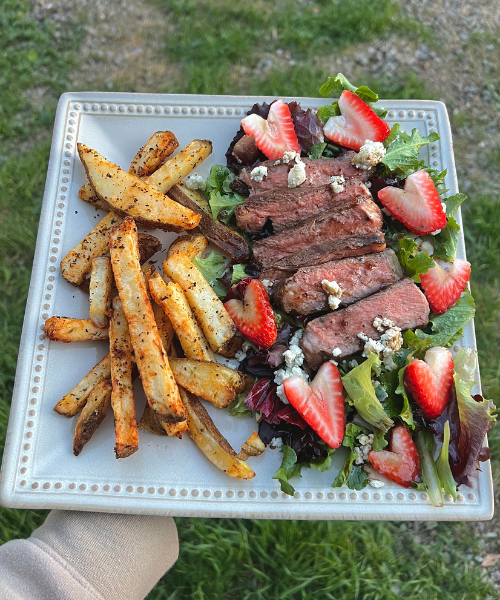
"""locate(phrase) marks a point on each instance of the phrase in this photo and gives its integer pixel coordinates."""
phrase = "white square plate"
(168, 476)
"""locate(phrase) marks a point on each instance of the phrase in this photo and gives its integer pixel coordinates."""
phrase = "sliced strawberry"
(254, 317)
(400, 463)
(275, 135)
(442, 287)
(357, 123)
(320, 404)
(430, 382)
(418, 205)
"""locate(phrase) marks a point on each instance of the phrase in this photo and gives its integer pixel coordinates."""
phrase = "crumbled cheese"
(240, 355)
(290, 155)
(337, 183)
(366, 444)
(390, 341)
(369, 155)
(276, 442)
(352, 364)
(335, 293)
(294, 359)
(297, 174)
(258, 173)
(336, 352)
(267, 283)
(195, 182)
(376, 483)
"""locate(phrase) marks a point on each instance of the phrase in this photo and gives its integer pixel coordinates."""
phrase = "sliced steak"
(402, 302)
(318, 172)
(287, 207)
(358, 277)
(335, 249)
(353, 217)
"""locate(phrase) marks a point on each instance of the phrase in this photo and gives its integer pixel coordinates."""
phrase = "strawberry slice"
(429, 381)
(400, 463)
(418, 205)
(443, 287)
(320, 404)
(357, 123)
(253, 316)
(276, 135)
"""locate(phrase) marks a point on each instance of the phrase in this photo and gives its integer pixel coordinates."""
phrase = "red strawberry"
(443, 287)
(418, 206)
(276, 135)
(357, 123)
(430, 382)
(320, 404)
(254, 317)
(400, 463)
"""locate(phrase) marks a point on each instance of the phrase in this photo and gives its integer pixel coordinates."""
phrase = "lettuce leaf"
(221, 198)
(425, 446)
(213, 268)
(288, 469)
(237, 407)
(443, 465)
(354, 476)
(446, 326)
(361, 393)
(317, 150)
(414, 263)
(446, 241)
(453, 203)
(401, 157)
(238, 273)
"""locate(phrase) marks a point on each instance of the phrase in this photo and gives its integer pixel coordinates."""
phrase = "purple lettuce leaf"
(306, 444)
(308, 126)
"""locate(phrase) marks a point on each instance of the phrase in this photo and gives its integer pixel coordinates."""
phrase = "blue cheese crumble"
(369, 155)
(258, 173)
(294, 359)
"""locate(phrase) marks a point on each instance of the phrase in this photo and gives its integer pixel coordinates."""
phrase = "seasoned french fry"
(157, 378)
(209, 311)
(122, 396)
(92, 415)
(223, 236)
(101, 282)
(64, 329)
(211, 381)
(254, 446)
(150, 422)
(78, 261)
(76, 399)
(154, 153)
(179, 166)
(126, 194)
(192, 245)
(210, 441)
(87, 194)
(165, 327)
(175, 429)
(173, 301)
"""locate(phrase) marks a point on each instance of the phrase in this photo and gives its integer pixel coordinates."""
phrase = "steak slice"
(402, 302)
(318, 172)
(287, 207)
(335, 249)
(353, 217)
(358, 277)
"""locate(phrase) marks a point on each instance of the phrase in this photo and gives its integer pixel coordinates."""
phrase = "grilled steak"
(318, 172)
(353, 217)
(358, 277)
(287, 207)
(335, 249)
(402, 302)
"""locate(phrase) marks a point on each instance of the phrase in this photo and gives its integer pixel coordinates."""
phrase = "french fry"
(210, 441)
(150, 422)
(78, 261)
(75, 400)
(126, 194)
(211, 381)
(165, 327)
(157, 378)
(92, 415)
(64, 329)
(154, 153)
(122, 396)
(254, 446)
(192, 245)
(173, 301)
(209, 311)
(179, 166)
(223, 236)
(101, 282)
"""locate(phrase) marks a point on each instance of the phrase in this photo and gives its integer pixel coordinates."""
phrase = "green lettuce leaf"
(446, 241)
(361, 393)
(447, 325)
(453, 202)
(237, 407)
(221, 198)
(354, 476)
(238, 273)
(215, 181)
(325, 462)
(414, 263)
(425, 446)
(213, 268)
(329, 110)
(288, 469)
(438, 178)
(465, 361)
(406, 413)
(402, 155)
(379, 441)
(317, 150)
(443, 465)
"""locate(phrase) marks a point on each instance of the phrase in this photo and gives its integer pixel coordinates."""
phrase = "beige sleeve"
(89, 556)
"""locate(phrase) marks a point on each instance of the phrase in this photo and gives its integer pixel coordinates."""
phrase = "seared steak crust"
(402, 302)
(287, 207)
(358, 277)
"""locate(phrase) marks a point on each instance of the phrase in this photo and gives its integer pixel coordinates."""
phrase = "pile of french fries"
(150, 319)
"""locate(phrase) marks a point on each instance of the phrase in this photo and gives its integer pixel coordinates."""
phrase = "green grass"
(238, 559)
